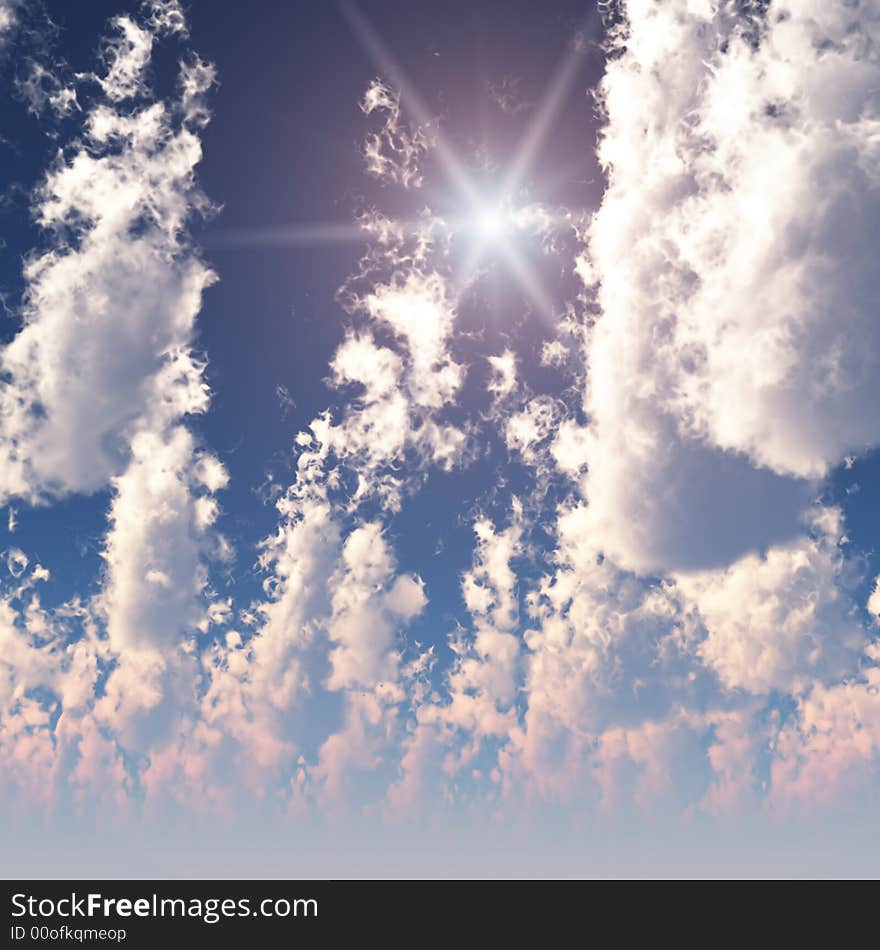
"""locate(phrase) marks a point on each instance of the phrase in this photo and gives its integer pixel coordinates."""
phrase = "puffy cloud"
(334, 608)
(731, 254)
(618, 674)
(377, 368)
(96, 386)
(639, 763)
(275, 670)
(369, 605)
(327, 627)
(773, 239)
(831, 747)
(110, 306)
(659, 503)
(449, 731)
(482, 684)
(365, 606)
(105, 405)
(400, 410)
(50, 666)
(728, 370)
(526, 430)
(114, 396)
(126, 53)
(157, 525)
(784, 620)
(604, 650)
(418, 309)
(570, 448)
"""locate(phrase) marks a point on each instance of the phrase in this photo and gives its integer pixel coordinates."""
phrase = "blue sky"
(417, 415)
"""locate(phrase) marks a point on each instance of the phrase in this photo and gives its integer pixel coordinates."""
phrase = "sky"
(439, 439)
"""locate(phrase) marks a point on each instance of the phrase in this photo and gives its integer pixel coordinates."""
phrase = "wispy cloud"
(394, 153)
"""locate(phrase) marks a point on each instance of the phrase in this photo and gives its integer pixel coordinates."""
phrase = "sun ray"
(539, 127)
(410, 99)
(527, 279)
(489, 223)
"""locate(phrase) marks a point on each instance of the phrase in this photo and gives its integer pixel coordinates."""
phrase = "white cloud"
(48, 675)
(365, 606)
(449, 731)
(335, 604)
(570, 448)
(369, 605)
(832, 747)
(110, 306)
(97, 385)
(526, 431)
(154, 545)
(41, 89)
(8, 19)
(126, 53)
(874, 600)
(394, 427)
(737, 345)
(418, 309)
(784, 620)
(394, 153)
(502, 380)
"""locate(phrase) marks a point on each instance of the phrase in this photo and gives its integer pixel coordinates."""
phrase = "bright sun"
(491, 223)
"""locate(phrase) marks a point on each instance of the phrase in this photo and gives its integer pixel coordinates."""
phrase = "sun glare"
(491, 223)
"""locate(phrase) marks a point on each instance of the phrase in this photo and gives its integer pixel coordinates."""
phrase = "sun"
(491, 223)
(492, 226)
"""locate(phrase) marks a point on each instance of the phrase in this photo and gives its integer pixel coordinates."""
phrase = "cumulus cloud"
(51, 663)
(832, 747)
(369, 605)
(782, 621)
(449, 731)
(731, 257)
(363, 611)
(483, 682)
(110, 305)
(96, 386)
(727, 373)
(526, 430)
(604, 649)
(327, 634)
(158, 516)
(398, 422)
(418, 310)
